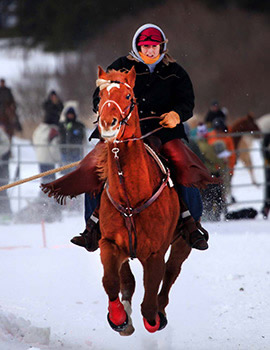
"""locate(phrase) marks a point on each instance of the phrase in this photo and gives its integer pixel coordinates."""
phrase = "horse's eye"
(128, 96)
(114, 121)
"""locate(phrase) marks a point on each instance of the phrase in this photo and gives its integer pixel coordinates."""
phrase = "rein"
(143, 136)
(127, 211)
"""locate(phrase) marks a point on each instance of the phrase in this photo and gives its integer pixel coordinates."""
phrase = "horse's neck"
(140, 174)
(238, 128)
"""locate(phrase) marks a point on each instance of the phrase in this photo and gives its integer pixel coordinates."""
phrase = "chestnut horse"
(242, 142)
(138, 210)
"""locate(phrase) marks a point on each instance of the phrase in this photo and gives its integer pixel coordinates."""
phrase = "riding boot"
(90, 237)
(193, 233)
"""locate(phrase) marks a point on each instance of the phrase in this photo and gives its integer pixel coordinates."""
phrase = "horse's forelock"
(117, 75)
(102, 83)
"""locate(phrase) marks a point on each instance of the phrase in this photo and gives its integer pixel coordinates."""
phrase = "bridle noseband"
(125, 116)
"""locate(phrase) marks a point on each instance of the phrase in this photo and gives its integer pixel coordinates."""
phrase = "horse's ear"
(251, 115)
(131, 77)
(101, 73)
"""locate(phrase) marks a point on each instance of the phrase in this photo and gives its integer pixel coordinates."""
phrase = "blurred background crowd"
(224, 45)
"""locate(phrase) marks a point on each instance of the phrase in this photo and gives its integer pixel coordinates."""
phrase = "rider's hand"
(170, 120)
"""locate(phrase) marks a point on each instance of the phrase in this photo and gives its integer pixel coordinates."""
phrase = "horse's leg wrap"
(152, 328)
(117, 316)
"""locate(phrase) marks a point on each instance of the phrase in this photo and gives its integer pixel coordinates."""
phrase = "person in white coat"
(46, 143)
(4, 171)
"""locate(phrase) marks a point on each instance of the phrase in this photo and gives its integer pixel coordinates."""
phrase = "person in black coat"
(214, 112)
(162, 88)
(266, 156)
(8, 114)
(71, 132)
(53, 107)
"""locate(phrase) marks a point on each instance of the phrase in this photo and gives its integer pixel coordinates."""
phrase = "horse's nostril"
(114, 121)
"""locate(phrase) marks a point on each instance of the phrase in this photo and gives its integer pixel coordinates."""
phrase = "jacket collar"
(166, 59)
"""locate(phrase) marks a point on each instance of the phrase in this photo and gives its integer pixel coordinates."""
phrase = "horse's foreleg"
(112, 259)
(154, 268)
(127, 287)
(179, 253)
(245, 157)
(127, 282)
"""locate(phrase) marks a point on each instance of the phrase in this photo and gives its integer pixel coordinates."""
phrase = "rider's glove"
(170, 120)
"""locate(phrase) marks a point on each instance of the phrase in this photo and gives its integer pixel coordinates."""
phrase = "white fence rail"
(23, 163)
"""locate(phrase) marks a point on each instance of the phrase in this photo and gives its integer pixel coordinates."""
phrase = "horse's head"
(251, 123)
(116, 103)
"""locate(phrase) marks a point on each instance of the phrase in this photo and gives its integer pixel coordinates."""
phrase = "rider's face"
(151, 51)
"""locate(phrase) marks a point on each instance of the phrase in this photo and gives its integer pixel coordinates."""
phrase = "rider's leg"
(192, 197)
(91, 235)
(188, 169)
(190, 214)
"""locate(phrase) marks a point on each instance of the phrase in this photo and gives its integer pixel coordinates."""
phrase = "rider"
(162, 88)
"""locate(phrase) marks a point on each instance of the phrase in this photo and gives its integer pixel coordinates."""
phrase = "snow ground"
(221, 299)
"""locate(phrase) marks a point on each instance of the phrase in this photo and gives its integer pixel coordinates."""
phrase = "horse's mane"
(102, 163)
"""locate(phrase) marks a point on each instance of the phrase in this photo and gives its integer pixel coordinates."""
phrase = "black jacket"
(266, 147)
(211, 116)
(71, 133)
(52, 111)
(6, 96)
(167, 89)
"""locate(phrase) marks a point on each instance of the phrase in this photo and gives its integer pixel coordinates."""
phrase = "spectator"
(71, 133)
(8, 116)
(52, 107)
(214, 113)
(46, 136)
(5, 210)
(219, 136)
(214, 195)
(211, 160)
(266, 156)
(6, 96)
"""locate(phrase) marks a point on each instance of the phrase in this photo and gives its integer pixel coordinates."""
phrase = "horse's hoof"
(163, 321)
(128, 331)
(149, 327)
(120, 327)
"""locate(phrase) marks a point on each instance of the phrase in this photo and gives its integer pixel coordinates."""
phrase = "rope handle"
(45, 173)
